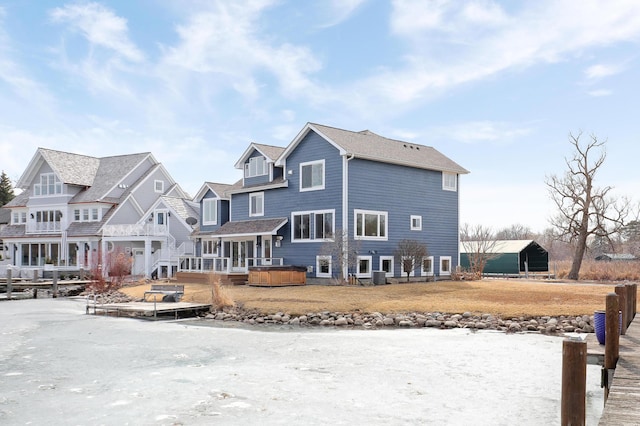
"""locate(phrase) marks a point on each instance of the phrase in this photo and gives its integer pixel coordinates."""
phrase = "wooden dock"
(146, 310)
(623, 404)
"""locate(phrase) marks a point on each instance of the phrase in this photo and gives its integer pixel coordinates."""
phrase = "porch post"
(147, 258)
(103, 257)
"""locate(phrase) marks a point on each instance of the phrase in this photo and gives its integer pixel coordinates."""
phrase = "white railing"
(134, 229)
(223, 264)
(44, 227)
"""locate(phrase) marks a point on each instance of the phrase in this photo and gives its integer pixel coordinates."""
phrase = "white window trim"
(57, 184)
(293, 231)
(159, 189)
(404, 273)
(443, 258)
(389, 274)
(312, 188)
(356, 212)
(444, 181)
(251, 197)
(319, 274)
(419, 219)
(422, 271)
(19, 218)
(368, 274)
(333, 224)
(213, 201)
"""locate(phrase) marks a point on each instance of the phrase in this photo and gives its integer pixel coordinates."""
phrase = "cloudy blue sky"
(495, 85)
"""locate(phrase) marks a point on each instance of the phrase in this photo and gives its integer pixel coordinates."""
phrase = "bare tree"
(515, 232)
(479, 243)
(343, 251)
(584, 210)
(409, 254)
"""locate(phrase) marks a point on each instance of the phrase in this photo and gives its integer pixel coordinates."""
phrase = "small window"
(449, 181)
(85, 215)
(94, 215)
(208, 247)
(370, 225)
(445, 265)
(210, 211)
(386, 265)
(76, 215)
(301, 228)
(312, 176)
(256, 204)
(364, 267)
(158, 186)
(427, 266)
(416, 223)
(323, 266)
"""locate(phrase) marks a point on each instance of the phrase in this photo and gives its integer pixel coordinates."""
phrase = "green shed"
(510, 256)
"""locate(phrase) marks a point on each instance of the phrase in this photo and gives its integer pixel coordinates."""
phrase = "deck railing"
(134, 229)
(223, 264)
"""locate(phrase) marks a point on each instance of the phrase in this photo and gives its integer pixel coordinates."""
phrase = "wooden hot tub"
(275, 276)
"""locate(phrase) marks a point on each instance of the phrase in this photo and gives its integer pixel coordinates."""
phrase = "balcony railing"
(134, 230)
(223, 264)
(44, 228)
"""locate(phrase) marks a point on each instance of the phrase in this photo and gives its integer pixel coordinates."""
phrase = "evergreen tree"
(6, 189)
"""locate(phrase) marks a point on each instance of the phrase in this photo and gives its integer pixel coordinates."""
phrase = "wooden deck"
(623, 405)
(147, 310)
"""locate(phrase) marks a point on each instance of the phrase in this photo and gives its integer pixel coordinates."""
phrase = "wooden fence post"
(574, 382)
(621, 291)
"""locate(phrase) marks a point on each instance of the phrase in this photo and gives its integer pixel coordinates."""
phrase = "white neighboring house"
(77, 211)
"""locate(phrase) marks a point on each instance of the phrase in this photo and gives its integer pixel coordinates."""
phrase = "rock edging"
(376, 320)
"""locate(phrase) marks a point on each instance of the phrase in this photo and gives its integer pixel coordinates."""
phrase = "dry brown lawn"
(498, 297)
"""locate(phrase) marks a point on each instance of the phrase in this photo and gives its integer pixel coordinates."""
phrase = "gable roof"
(370, 146)
(182, 207)
(220, 189)
(501, 246)
(70, 168)
(270, 152)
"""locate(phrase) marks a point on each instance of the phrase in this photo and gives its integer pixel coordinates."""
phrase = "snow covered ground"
(59, 366)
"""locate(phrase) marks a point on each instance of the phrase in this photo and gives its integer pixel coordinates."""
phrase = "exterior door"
(238, 256)
(266, 251)
(138, 262)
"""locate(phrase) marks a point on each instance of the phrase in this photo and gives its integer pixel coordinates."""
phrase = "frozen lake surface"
(59, 366)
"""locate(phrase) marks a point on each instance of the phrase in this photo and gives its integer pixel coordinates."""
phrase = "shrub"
(592, 270)
(219, 297)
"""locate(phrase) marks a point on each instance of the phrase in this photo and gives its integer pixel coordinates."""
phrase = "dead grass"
(498, 297)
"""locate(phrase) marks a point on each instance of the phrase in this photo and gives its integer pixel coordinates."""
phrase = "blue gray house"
(357, 192)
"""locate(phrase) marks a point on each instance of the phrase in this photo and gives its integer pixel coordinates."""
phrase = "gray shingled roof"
(248, 227)
(273, 152)
(111, 171)
(71, 168)
(5, 216)
(20, 200)
(183, 208)
(368, 145)
(11, 231)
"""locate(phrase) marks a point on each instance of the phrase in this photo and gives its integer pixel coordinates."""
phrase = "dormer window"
(257, 166)
(49, 185)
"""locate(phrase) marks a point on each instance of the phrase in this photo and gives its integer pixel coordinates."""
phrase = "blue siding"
(223, 213)
(402, 192)
(257, 180)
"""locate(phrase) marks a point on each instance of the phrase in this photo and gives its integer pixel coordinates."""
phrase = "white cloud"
(226, 41)
(599, 71)
(600, 93)
(340, 11)
(100, 26)
(453, 43)
(482, 131)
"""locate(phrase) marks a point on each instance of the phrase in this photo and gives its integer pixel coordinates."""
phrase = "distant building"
(611, 257)
(510, 257)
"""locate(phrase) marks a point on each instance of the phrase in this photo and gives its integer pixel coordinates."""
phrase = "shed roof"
(248, 227)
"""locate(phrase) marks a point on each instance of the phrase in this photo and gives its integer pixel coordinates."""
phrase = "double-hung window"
(312, 175)
(324, 225)
(427, 266)
(449, 181)
(210, 211)
(301, 226)
(416, 223)
(257, 166)
(256, 204)
(445, 265)
(49, 185)
(323, 266)
(370, 225)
